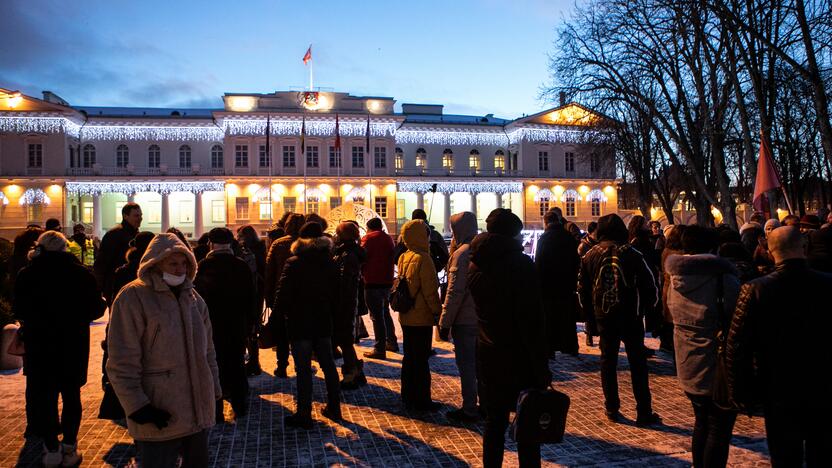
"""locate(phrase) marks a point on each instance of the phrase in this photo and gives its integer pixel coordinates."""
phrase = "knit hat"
(220, 235)
(503, 221)
(311, 230)
(52, 241)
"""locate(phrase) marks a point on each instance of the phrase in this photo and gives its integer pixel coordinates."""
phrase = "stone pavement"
(376, 431)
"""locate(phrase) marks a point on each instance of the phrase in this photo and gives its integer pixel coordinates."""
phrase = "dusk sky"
(473, 56)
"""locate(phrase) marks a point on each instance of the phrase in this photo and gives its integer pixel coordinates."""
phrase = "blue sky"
(476, 57)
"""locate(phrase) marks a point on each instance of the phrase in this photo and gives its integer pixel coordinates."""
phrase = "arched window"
(570, 198)
(596, 198)
(448, 159)
(88, 156)
(421, 158)
(499, 161)
(399, 161)
(122, 156)
(34, 200)
(154, 157)
(474, 161)
(543, 198)
(185, 157)
(216, 157)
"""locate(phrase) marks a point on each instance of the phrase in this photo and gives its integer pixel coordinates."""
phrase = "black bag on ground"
(540, 416)
(400, 299)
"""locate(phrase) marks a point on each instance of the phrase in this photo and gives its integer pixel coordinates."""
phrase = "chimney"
(562, 96)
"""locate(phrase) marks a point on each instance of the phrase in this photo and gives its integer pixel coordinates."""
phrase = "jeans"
(378, 302)
(302, 353)
(465, 348)
(712, 432)
(42, 409)
(795, 434)
(494, 439)
(193, 448)
(415, 367)
(630, 330)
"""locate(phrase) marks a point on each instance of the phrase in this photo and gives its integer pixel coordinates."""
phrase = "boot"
(354, 378)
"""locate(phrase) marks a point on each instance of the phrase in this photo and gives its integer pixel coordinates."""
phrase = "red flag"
(767, 176)
(308, 55)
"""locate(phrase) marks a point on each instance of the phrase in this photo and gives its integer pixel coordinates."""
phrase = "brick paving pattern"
(377, 431)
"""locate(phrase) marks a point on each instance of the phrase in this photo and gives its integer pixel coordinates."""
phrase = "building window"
(570, 197)
(217, 211)
(381, 206)
(313, 204)
(448, 160)
(380, 157)
(569, 161)
(264, 159)
(399, 159)
(543, 161)
(35, 155)
(265, 210)
(334, 156)
(154, 157)
(87, 212)
(72, 157)
(357, 156)
(185, 156)
(334, 202)
(290, 204)
(499, 161)
(122, 156)
(240, 155)
(88, 156)
(288, 156)
(421, 158)
(216, 157)
(595, 206)
(543, 204)
(241, 204)
(474, 161)
(312, 159)
(594, 163)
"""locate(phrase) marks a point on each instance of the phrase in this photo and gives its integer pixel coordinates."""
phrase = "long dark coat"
(512, 353)
(558, 263)
(225, 283)
(111, 255)
(348, 256)
(56, 298)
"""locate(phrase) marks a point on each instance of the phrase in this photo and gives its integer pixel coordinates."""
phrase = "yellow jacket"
(417, 267)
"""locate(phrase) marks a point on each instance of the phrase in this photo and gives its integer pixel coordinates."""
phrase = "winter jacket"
(416, 266)
(279, 252)
(56, 298)
(258, 248)
(348, 257)
(512, 352)
(111, 255)
(161, 350)
(586, 243)
(819, 249)
(378, 269)
(459, 308)
(225, 283)
(778, 349)
(436, 247)
(557, 263)
(640, 295)
(692, 300)
(666, 253)
(307, 293)
(125, 273)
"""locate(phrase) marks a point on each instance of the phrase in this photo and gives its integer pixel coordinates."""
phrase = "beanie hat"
(52, 241)
(311, 230)
(503, 221)
(220, 235)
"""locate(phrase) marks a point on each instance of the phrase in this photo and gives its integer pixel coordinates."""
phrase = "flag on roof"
(308, 55)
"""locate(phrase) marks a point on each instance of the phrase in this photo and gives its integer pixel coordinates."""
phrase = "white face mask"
(173, 280)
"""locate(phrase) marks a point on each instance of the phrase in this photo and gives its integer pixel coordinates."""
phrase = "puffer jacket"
(416, 265)
(459, 307)
(307, 294)
(778, 346)
(692, 300)
(161, 350)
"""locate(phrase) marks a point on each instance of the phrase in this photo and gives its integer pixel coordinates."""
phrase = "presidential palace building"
(342, 156)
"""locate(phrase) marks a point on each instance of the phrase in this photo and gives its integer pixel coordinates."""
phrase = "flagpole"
(269, 162)
(338, 156)
(303, 159)
(311, 75)
(372, 161)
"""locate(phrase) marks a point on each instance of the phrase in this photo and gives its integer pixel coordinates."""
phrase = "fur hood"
(690, 272)
(162, 246)
(303, 246)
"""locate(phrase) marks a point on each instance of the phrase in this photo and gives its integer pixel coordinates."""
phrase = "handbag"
(265, 338)
(400, 299)
(16, 347)
(540, 417)
(720, 393)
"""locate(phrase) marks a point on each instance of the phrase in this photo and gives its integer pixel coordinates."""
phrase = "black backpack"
(400, 299)
(610, 282)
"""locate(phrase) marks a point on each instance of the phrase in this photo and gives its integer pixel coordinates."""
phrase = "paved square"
(376, 431)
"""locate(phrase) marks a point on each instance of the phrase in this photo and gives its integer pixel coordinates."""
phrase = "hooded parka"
(459, 308)
(416, 265)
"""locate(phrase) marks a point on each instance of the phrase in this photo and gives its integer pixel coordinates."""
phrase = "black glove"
(151, 414)
(444, 333)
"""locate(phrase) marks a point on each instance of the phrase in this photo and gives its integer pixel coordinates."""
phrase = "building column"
(96, 215)
(474, 203)
(420, 200)
(198, 223)
(446, 204)
(165, 213)
(499, 197)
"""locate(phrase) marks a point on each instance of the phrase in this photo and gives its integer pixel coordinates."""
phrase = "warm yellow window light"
(241, 103)
(572, 115)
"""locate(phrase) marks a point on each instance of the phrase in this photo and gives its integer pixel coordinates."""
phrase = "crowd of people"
(738, 311)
